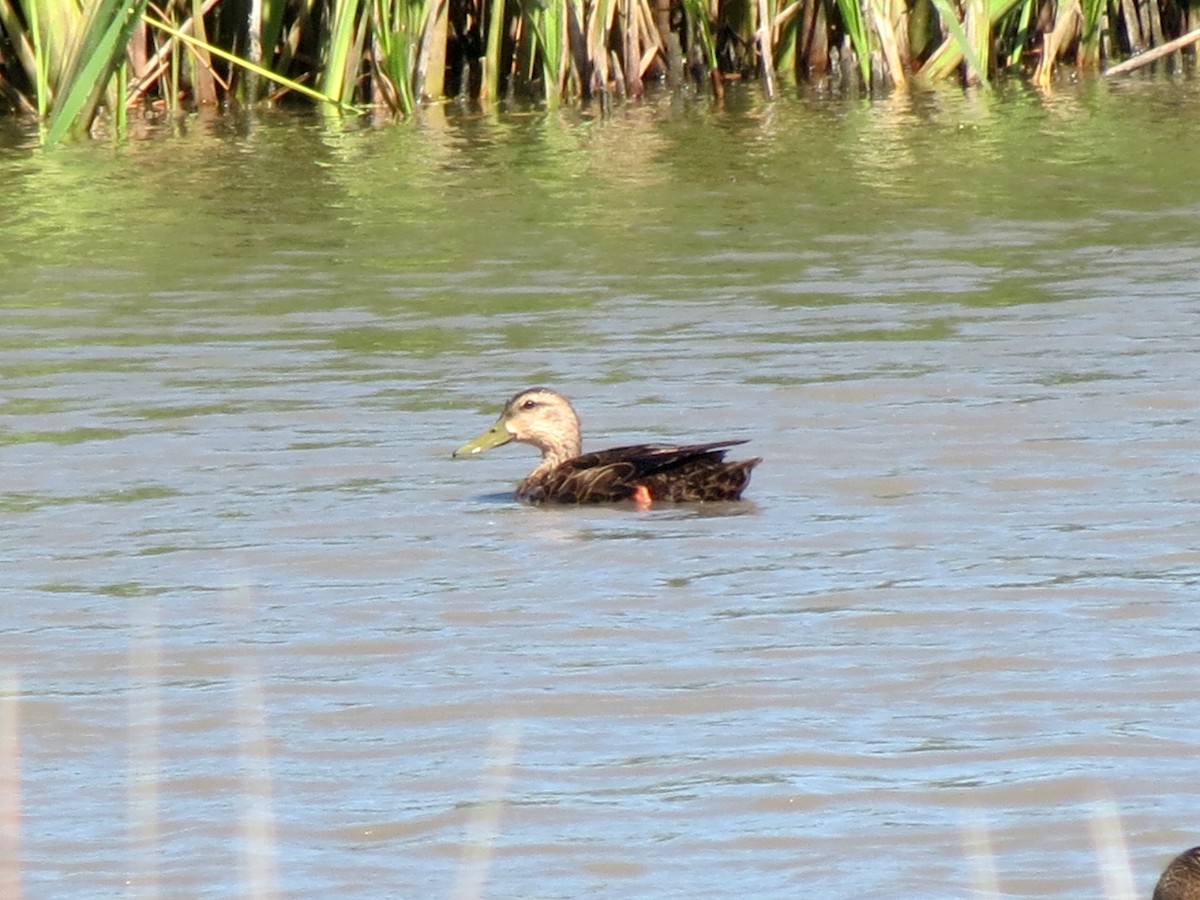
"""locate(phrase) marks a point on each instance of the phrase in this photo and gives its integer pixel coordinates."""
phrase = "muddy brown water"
(262, 636)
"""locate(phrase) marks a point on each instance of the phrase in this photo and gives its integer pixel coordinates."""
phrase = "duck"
(1181, 878)
(642, 473)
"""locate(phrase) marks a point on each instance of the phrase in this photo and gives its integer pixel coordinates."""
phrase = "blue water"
(263, 637)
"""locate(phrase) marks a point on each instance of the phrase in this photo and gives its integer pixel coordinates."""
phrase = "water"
(261, 634)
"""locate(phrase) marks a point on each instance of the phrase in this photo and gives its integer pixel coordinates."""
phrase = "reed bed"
(66, 61)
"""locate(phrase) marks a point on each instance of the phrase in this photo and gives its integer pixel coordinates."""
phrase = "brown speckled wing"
(678, 474)
(697, 483)
(1181, 879)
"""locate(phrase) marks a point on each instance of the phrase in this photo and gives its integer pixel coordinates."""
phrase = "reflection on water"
(262, 634)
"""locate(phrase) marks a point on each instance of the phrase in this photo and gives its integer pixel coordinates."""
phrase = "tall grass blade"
(1066, 21)
(599, 23)
(251, 85)
(55, 27)
(885, 30)
(1150, 56)
(787, 23)
(856, 29)
(258, 845)
(1019, 36)
(30, 53)
(259, 863)
(548, 21)
(101, 47)
(979, 33)
(982, 858)
(270, 27)
(702, 28)
(765, 55)
(393, 55)
(145, 775)
(631, 30)
(410, 43)
(431, 61)
(204, 81)
(1112, 851)
(490, 88)
(118, 92)
(1092, 31)
(10, 787)
(258, 70)
(483, 824)
(957, 47)
(579, 65)
(336, 80)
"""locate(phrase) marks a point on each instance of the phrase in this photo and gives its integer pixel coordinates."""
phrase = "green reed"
(548, 29)
(68, 61)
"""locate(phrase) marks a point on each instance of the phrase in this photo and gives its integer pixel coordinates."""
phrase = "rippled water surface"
(261, 635)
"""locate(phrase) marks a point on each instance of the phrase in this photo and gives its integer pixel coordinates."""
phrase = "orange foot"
(641, 497)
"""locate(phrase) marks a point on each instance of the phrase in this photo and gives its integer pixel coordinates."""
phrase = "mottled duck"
(1181, 878)
(642, 473)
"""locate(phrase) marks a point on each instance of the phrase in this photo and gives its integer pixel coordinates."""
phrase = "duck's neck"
(530, 487)
(553, 457)
(556, 446)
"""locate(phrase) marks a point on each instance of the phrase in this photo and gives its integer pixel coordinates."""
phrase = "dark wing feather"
(1181, 879)
(691, 473)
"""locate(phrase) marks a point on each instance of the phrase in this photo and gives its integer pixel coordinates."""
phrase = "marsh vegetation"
(64, 61)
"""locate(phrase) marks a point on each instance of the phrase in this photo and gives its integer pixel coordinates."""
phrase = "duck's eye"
(529, 404)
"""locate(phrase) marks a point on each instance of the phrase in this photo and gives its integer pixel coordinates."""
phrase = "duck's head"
(537, 416)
